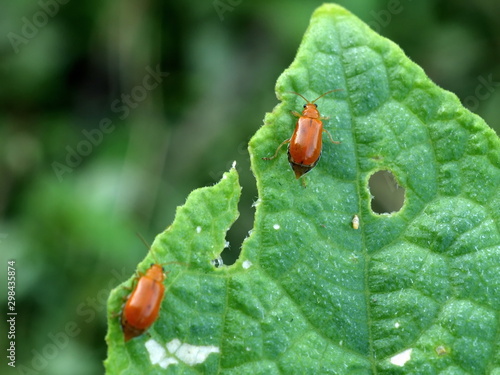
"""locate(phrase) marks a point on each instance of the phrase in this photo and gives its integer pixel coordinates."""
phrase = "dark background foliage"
(91, 152)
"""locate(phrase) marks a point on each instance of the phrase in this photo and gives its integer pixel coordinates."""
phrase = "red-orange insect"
(304, 149)
(143, 305)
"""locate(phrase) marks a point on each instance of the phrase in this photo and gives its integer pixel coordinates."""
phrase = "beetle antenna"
(296, 93)
(143, 240)
(147, 245)
(325, 94)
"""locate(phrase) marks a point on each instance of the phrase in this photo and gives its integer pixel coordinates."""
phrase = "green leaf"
(410, 292)
(195, 302)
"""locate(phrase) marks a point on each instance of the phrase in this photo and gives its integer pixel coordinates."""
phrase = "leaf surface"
(414, 291)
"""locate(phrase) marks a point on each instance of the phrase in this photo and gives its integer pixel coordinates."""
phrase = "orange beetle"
(143, 304)
(304, 149)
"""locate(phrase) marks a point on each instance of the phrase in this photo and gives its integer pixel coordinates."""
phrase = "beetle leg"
(114, 315)
(329, 135)
(277, 150)
(296, 114)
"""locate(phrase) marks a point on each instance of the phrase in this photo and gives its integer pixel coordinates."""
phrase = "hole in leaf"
(239, 231)
(218, 262)
(242, 227)
(388, 196)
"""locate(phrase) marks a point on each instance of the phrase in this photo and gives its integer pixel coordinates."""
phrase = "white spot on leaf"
(192, 354)
(176, 350)
(173, 345)
(156, 351)
(441, 350)
(158, 355)
(246, 264)
(198, 229)
(256, 203)
(401, 358)
(355, 222)
(276, 226)
(164, 363)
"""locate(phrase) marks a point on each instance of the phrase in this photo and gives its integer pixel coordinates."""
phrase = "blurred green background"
(71, 229)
